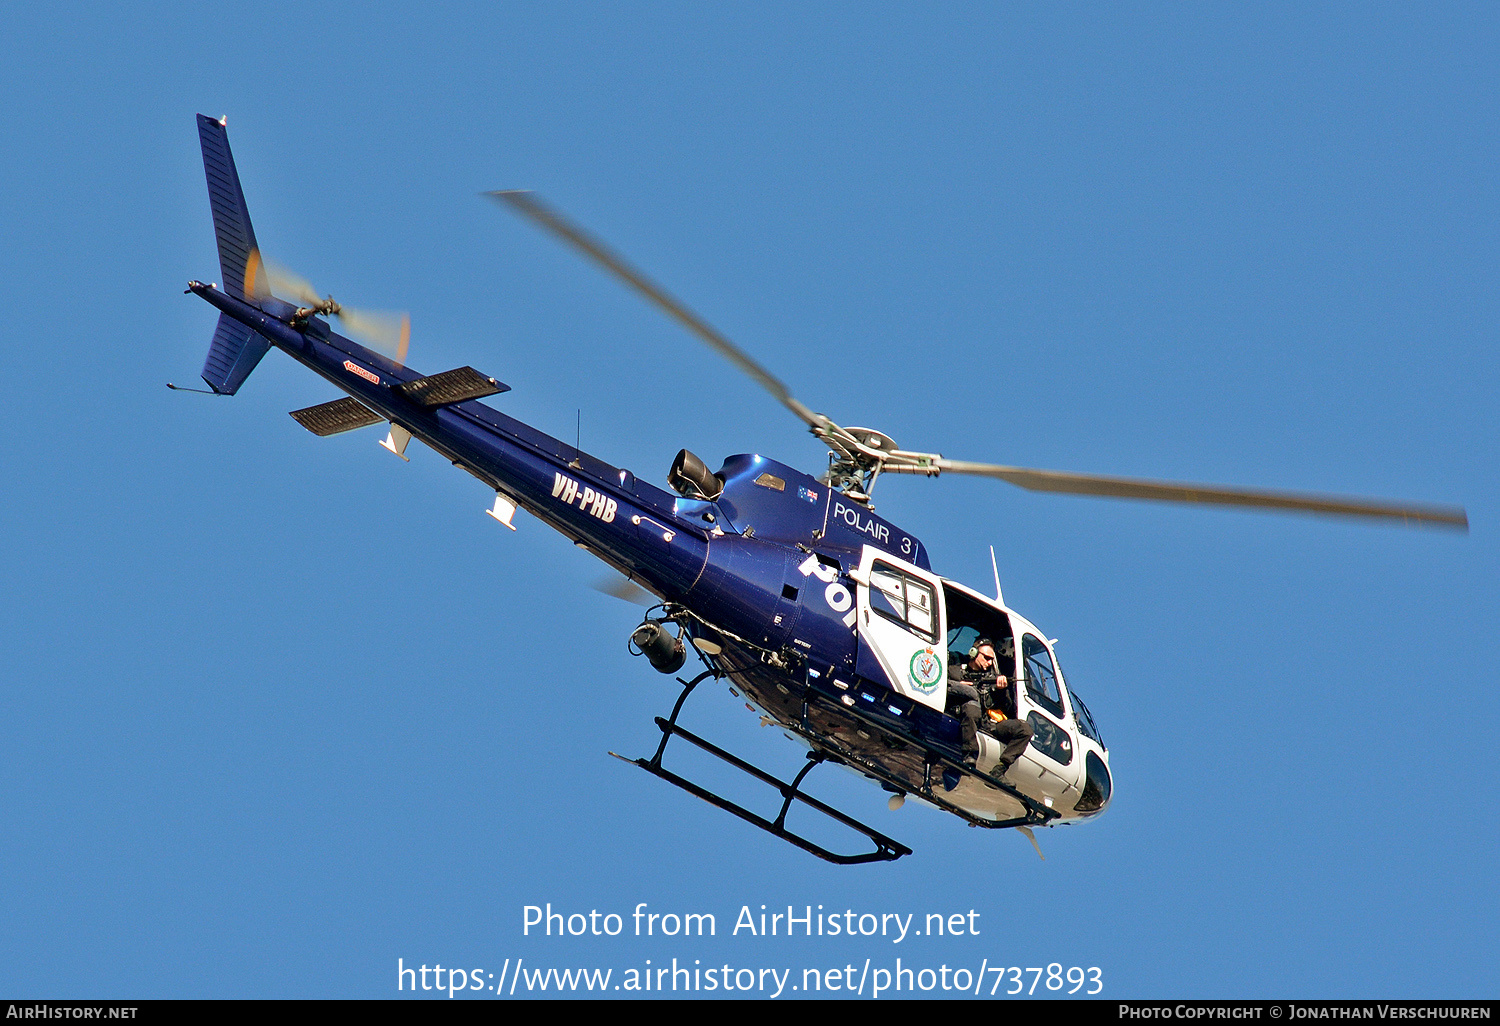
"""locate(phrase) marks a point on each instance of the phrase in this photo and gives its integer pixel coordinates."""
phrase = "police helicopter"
(825, 619)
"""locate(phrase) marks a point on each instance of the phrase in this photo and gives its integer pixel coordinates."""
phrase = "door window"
(910, 602)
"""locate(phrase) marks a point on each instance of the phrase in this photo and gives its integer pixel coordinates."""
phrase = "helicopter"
(825, 619)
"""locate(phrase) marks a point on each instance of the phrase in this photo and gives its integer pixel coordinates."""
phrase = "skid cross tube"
(886, 849)
(813, 758)
(687, 689)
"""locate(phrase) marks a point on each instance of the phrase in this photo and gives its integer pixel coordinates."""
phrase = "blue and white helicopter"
(823, 617)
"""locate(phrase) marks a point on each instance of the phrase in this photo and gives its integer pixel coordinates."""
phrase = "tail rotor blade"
(384, 331)
(289, 285)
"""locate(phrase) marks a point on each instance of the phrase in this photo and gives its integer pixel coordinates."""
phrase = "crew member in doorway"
(976, 683)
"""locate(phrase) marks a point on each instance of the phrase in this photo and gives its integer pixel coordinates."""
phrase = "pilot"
(966, 681)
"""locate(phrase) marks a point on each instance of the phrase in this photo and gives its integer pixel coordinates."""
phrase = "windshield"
(1086, 720)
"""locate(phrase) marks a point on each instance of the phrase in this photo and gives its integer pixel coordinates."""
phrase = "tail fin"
(236, 348)
(235, 351)
(239, 257)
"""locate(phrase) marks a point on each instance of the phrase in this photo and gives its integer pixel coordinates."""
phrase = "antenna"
(577, 463)
(996, 567)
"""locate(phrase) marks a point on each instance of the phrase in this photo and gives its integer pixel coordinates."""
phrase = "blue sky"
(279, 710)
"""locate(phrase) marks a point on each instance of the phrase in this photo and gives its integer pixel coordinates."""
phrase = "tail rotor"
(385, 331)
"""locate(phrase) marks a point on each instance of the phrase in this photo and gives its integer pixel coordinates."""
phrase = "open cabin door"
(901, 626)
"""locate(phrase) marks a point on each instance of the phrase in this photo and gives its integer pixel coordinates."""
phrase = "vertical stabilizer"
(239, 257)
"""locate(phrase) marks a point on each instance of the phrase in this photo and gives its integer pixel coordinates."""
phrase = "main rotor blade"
(1216, 495)
(628, 590)
(527, 204)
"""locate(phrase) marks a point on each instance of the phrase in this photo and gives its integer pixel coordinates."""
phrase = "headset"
(1005, 650)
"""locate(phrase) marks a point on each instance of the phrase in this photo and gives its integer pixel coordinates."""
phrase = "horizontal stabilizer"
(336, 417)
(449, 387)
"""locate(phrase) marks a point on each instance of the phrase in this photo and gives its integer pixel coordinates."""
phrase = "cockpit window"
(1040, 677)
(1080, 711)
(1085, 720)
(903, 598)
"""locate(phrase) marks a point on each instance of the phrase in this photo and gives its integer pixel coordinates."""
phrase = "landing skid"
(886, 850)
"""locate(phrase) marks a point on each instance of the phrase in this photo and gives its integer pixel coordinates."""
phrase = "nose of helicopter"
(1097, 787)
